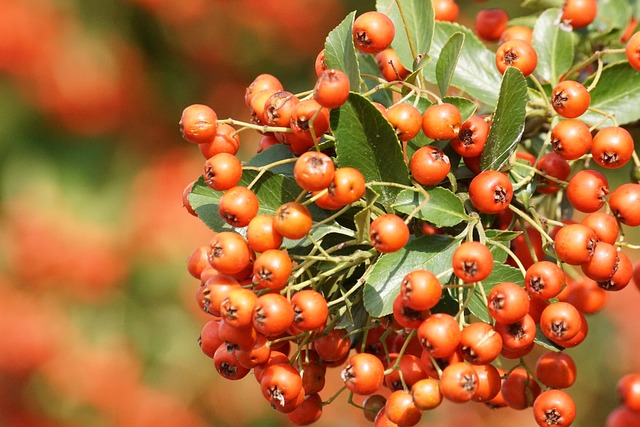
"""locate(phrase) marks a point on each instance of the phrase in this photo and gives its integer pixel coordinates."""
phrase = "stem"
(355, 287)
(542, 174)
(355, 259)
(262, 169)
(320, 248)
(534, 224)
(636, 160)
(596, 55)
(597, 76)
(511, 254)
(604, 114)
(416, 210)
(245, 125)
(312, 259)
(444, 273)
(538, 85)
(391, 184)
(334, 397)
(462, 305)
(312, 129)
(332, 217)
(414, 54)
(316, 197)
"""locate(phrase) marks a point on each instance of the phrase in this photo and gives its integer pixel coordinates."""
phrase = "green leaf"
(205, 202)
(340, 52)
(476, 72)
(636, 8)
(362, 222)
(503, 237)
(443, 209)
(272, 190)
(545, 342)
(433, 253)
(419, 17)
(368, 65)
(317, 234)
(508, 121)
(542, 4)
(617, 93)
(466, 106)
(448, 60)
(353, 318)
(553, 43)
(365, 140)
(273, 154)
(500, 273)
(613, 16)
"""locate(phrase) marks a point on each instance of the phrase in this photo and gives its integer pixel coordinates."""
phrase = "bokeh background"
(98, 319)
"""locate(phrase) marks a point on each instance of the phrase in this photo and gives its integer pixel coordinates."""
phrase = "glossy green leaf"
(274, 154)
(433, 253)
(448, 60)
(617, 93)
(317, 234)
(500, 273)
(366, 141)
(553, 43)
(368, 65)
(353, 318)
(205, 202)
(508, 121)
(362, 220)
(414, 22)
(476, 72)
(340, 52)
(272, 190)
(443, 209)
(466, 106)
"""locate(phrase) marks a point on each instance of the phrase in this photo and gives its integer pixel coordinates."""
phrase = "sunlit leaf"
(366, 141)
(448, 60)
(476, 73)
(508, 121)
(433, 253)
(340, 52)
(443, 209)
(553, 43)
(500, 273)
(617, 93)
(414, 22)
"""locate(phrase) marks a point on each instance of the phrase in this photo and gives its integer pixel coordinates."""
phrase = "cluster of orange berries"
(270, 318)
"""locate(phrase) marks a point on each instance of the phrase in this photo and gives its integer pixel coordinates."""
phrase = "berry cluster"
(417, 241)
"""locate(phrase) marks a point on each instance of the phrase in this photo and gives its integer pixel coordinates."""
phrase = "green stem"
(414, 53)
(361, 281)
(594, 57)
(512, 255)
(334, 397)
(597, 76)
(357, 258)
(539, 86)
(528, 219)
(260, 128)
(604, 114)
